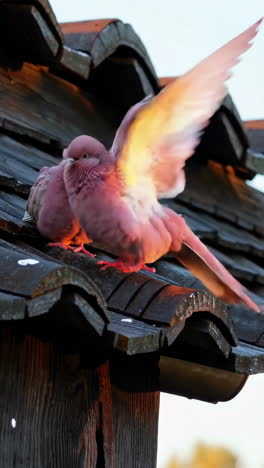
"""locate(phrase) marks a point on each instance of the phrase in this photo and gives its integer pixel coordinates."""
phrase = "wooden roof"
(53, 88)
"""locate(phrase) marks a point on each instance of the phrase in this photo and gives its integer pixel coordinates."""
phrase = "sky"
(177, 35)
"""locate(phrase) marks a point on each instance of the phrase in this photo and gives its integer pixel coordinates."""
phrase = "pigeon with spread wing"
(115, 193)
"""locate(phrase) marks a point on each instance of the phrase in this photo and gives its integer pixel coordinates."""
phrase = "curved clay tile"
(101, 38)
(39, 284)
(115, 51)
(20, 23)
(254, 124)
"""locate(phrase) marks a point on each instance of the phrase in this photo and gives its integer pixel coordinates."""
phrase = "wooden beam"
(135, 383)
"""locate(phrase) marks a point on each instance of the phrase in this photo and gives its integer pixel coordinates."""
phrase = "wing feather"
(37, 193)
(165, 131)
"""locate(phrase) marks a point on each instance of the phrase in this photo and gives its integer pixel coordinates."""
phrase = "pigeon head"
(85, 147)
(86, 160)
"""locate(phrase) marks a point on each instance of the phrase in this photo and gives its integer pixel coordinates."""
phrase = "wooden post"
(57, 412)
(135, 394)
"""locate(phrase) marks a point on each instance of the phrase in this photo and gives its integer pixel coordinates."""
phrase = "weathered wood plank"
(80, 35)
(227, 194)
(130, 39)
(12, 307)
(199, 225)
(125, 292)
(224, 234)
(30, 274)
(106, 456)
(42, 304)
(12, 209)
(201, 341)
(135, 383)
(78, 314)
(246, 359)
(132, 336)
(72, 62)
(145, 295)
(171, 272)
(240, 266)
(102, 38)
(26, 154)
(48, 405)
(106, 281)
(249, 324)
(27, 99)
(154, 300)
(173, 305)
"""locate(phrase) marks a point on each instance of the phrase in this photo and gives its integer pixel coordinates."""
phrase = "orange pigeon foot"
(124, 267)
(79, 248)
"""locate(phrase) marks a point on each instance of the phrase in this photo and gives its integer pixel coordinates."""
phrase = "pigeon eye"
(85, 156)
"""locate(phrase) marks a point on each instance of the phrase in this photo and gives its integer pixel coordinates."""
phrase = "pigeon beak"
(69, 161)
(64, 153)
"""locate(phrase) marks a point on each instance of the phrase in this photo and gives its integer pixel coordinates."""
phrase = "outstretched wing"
(155, 139)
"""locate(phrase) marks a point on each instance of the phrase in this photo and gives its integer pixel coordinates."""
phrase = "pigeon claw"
(79, 248)
(124, 267)
(147, 268)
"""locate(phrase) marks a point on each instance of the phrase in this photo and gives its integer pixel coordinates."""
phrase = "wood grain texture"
(34, 276)
(106, 281)
(28, 98)
(72, 62)
(12, 307)
(249, 324)
(19, 166)
(222, 233)
(202, 336)
(135, 410)
(246, 358)
(20, 163)
(123, 295)
(102, 38)
(241, 267)
(132, 336)
(151, 298)
(33, 279)
(230, 198)
(52, 400)
(105, 428)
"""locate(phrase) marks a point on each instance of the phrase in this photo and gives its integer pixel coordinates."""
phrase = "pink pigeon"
(48, 205)
(115, 193)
